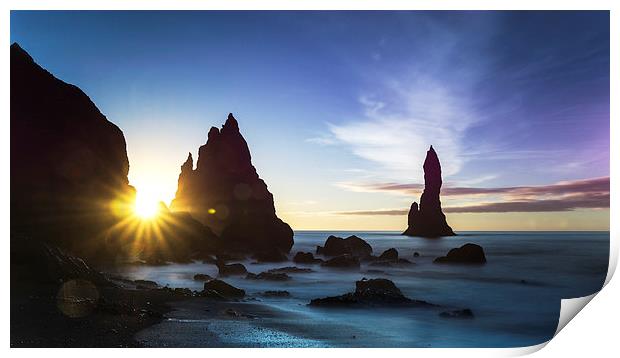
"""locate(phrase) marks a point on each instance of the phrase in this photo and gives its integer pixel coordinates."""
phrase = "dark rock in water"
(272, 255)
(466, 254)
(202, 277)
(373, 292)
(63, 151)
(343, 261)
(269, 276)
(428, 220)
(389, 254)
(223, 289)
(291, 269)
(146, 284)
(389, 258)
(306, 258)
(211, 294)
(231, 269)
(464, 313)
(225, 193)
(352, 245)
(276, 294)
(416, 254)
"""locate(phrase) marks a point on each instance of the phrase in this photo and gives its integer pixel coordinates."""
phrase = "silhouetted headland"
(428, 220)
(68, 162)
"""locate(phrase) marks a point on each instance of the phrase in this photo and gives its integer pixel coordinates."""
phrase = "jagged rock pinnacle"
(225, 193)
(231, 124)
(427, 219)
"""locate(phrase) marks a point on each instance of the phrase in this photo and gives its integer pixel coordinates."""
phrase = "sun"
(146, 206)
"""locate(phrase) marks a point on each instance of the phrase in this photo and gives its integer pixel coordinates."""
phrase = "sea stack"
(226, 194)
(427, 219)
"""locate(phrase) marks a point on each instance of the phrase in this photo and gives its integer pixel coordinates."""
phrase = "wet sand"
(201, 322)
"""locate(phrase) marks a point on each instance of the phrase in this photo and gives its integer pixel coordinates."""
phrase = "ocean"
(515, 296)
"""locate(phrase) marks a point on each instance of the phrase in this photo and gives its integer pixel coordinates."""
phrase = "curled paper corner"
(570, 308)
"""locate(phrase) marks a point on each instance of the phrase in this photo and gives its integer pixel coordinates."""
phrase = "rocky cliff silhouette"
(428, 220)
(68, 162)
(225, 193)
(69, 183)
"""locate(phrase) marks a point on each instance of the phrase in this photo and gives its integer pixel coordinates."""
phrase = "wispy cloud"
(590, 201)
(590, 185)
(396, 134)
(324, 140)
(592, 193)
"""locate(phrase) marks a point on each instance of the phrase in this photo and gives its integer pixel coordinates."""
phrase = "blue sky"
(335, 104)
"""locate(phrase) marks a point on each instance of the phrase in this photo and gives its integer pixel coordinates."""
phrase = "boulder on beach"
(145, 284)
(427, 219)
(306, 258)
(223, 289)
(343, 261)
(466, 254)
(352, 245)
(370, 292)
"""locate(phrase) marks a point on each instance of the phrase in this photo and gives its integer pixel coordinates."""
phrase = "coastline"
(36, 320)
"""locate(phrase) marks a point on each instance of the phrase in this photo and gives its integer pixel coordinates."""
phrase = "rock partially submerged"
(276, 294)
(306, 258)
(428, 220)
(352, 245)
(231, 269)
(269, 276)
(389, 254)
(202, 277)
(221, 289)
(343, 261)
(389, 258)
(291, 269)
(466, 254)
(373, 292)
(463, 314)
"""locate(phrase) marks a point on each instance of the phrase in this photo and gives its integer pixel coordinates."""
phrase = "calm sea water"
(508, 312)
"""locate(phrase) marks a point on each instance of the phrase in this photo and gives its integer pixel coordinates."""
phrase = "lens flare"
(146, 205)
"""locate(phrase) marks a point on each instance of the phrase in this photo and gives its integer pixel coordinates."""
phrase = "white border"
(595, 325)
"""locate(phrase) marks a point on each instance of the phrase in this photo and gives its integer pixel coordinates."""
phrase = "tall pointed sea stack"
(226, 194)
(428, 220)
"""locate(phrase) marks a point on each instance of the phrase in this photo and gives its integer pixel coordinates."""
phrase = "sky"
(339, 108)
